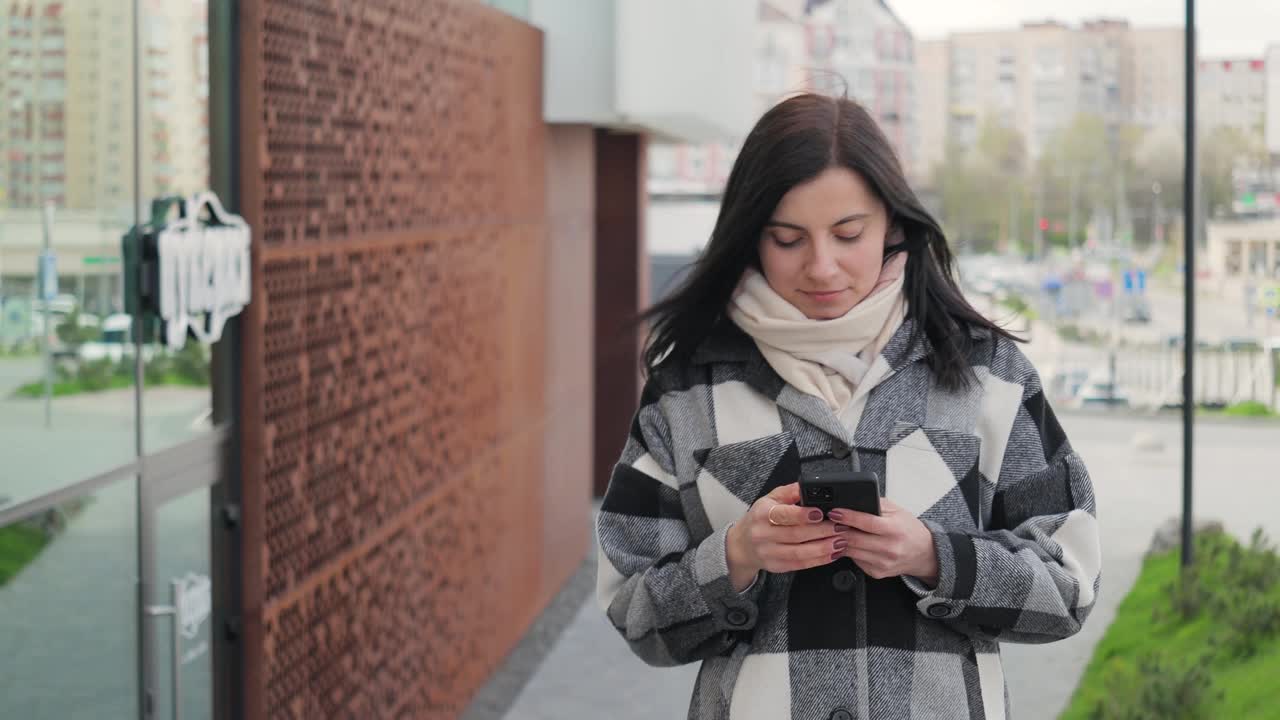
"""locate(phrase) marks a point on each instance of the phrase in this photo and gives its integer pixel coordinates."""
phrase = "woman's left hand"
(891, 544)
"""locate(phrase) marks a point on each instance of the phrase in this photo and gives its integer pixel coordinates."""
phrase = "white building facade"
(1245, 250)
(802, 45)
(1232, 92)
(1038, 77)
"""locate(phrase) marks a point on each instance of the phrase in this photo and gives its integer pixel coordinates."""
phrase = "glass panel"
(65, 145)
(175, 161)
(182, 553)
(68, 609)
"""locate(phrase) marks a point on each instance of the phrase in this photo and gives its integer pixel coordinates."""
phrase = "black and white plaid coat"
(988, 470)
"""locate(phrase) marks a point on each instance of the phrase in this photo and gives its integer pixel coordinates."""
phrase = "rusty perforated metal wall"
(393, 157)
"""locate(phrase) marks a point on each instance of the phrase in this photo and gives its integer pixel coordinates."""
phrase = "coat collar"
(729, 344)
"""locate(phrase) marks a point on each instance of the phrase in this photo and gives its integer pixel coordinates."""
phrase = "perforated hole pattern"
(401, 221)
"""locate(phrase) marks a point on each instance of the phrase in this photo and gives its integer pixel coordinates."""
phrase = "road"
(16, 372)
(1218, 316)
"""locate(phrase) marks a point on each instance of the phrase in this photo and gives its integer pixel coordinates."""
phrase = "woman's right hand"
(797, 539)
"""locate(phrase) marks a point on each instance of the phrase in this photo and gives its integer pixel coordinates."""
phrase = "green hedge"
(189, 367)
(22, 541)
(1019, 305)
(1206, 649)
(19, 545)
(1248, 409)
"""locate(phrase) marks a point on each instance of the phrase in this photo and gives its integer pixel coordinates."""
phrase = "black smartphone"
(849, 489)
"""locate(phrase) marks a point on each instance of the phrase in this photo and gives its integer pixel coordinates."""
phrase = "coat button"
(840, 452)
(843, 580)
(940, 610)
(841, 714)
(736, 617)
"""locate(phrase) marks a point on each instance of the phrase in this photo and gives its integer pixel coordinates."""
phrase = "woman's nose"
(822, 261)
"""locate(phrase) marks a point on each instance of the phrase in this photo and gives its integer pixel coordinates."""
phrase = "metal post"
(1156, 238)
(228, 645)
(146, 651)
(1038, 234)
(175, 638)
(1012, 238)
(1219, 358)
(49, 331)
(1115, 340)
(1074, 196)
(1274, 366)
(1189, 283)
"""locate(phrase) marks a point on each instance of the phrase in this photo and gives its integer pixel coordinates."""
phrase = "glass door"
(117, 532)
(176, 526)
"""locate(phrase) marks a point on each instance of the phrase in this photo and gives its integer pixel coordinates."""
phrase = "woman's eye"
(848, 239)
(780, 242)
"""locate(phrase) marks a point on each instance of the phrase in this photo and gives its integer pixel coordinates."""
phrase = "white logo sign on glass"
(195, 603)
(204, 271)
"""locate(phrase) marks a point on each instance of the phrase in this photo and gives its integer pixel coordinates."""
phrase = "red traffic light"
(1044, 223)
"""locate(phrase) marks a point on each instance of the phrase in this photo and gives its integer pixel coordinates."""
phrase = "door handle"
(171, 611)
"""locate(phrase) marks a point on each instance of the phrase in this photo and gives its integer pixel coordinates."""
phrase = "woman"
(823, 327)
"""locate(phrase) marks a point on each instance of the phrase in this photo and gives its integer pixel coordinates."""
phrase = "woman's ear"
(895, 236)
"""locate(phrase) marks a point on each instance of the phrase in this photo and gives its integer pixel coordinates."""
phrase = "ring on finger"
(771, 520)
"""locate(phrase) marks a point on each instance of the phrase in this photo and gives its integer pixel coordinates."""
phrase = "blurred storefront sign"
(193, 273)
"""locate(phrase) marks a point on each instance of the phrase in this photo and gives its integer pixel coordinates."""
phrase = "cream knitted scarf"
(826, 358)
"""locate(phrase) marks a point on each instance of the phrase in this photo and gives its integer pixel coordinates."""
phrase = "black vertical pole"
(1189, 284)
(226, 498)
(146, 660)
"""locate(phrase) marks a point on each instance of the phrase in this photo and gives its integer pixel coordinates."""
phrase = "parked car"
(115, 343)
(1100, 392)
(1067, 383)
(1137, 313)
(58, 317)
(1242, 344)
(1175, 341)
(63, 304)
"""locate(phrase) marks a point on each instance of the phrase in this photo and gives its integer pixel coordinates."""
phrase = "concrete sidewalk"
(574, 665)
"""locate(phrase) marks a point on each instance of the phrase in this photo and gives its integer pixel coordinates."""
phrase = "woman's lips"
(827, 296)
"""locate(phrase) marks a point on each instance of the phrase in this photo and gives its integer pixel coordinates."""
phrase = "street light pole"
(1156, 236)
(1189, 284)
(1038, 233)
(48, 290)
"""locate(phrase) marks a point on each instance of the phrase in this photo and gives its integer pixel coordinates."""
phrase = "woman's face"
(823, 247)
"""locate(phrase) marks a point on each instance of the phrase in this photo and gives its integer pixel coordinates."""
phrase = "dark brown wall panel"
(621, 291)
(394, 158)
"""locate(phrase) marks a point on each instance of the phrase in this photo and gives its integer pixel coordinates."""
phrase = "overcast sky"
(1225, 28)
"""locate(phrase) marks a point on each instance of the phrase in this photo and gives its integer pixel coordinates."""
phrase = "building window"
(1048, 62)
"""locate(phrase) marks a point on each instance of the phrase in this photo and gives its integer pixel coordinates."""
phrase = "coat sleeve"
(1033, 574)
(667, 594)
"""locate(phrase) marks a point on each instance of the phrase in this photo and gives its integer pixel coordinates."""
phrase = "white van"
(115, 343)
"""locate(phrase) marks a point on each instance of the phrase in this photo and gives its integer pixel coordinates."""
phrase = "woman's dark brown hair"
(793, 143)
